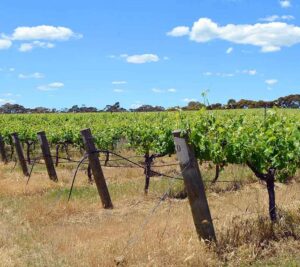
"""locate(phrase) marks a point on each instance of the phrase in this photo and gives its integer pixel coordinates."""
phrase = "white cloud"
(219, 74)
(157, 90)
(277, 18)
(5, 44)
(208, 73)
(285, 3)
(140, 59)
(10, 95)
(51, 86)
(225, 74)
(43, 32)
(267, 49)
(179, 31)
(7, 94)
(229, 50)
(37, 35)
(35, 75)
(137, 104)
(271, 81)
(270, 37)
(56, 85)
(119, 82)
(118, 90)
(4, 101)
(287, 17)
(11, 69)
(189, 100)
(26, 47)
(250, 72)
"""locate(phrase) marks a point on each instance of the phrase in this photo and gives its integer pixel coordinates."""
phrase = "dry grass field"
(38, 227)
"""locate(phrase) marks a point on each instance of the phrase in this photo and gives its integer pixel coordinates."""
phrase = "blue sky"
(60, 53)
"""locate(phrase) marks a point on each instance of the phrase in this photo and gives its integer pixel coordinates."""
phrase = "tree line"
(290, 101)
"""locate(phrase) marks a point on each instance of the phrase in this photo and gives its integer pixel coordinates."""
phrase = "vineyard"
(263, 143)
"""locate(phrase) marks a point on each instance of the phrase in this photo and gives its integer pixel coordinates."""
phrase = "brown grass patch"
(39, 228)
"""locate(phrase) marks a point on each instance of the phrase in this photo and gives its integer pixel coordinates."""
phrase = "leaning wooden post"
(2, 151)
(93, 157)
(20, 154)
(194, 187)
(47, 155)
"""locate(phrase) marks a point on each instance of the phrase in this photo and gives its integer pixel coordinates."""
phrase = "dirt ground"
(38, 227)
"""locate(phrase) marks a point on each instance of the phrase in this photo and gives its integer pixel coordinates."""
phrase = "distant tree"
(40, 110)
(290, 101)
(231, 103)
(215, 106)
(114, 108)
(173, 108)
(193, 105)
(74, 109)
(13, 108)
(148, 108)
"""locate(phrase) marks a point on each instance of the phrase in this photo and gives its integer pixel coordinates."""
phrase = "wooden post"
(194, 187)
(2, 151)
(47, 155)
(20, 154)
(96, 168)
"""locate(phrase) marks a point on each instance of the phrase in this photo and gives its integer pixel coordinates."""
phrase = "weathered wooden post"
(94, 162)
(194, 187)
(20, 153)
(2, 151)
(47, 155)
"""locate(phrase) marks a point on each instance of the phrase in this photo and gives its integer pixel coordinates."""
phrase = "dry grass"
(39, 228)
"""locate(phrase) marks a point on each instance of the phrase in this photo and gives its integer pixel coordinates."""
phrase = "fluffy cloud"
(37, 36)
(119, 82)
(219, 74)
(51, 86)
(137, 104)
(43, 32)
(35, 75)
(285, 3)
(179, 31)
(141, 59)
(187, 100)
(5, 44)
(250, 72)
(277, 18)
(271, 81)
(158, 90)
(270, 37)
(26, 47)
(207, 73)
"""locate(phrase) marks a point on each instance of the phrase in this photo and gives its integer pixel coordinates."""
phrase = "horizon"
(166, 108)
(96, 53)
